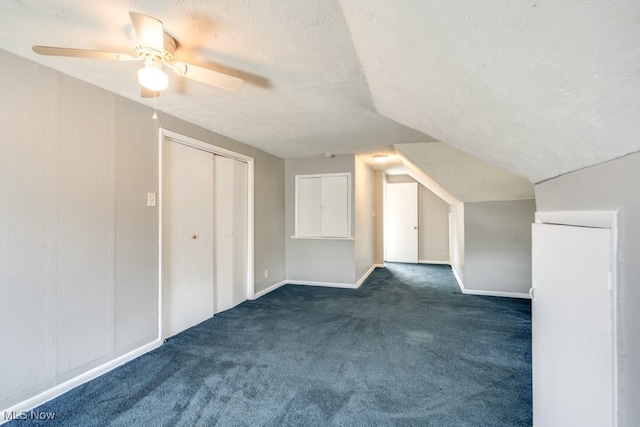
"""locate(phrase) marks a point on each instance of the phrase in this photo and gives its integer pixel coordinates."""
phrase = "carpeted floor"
(406, 349)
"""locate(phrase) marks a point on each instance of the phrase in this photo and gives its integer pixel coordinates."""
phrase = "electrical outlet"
(266, 274)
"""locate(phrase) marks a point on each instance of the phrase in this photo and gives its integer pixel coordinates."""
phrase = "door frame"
(606, 220)
(387, 220)
(171, 136)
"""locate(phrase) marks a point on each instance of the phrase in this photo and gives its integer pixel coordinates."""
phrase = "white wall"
(365, 232)
(79, 247)
(466, 177)
(456, 240)
(612, 186)
(497, 242)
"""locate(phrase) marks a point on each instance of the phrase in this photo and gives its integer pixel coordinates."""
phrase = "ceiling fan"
(156, 48)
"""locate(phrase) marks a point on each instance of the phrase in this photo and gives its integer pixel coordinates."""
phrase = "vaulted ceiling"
(539, 87)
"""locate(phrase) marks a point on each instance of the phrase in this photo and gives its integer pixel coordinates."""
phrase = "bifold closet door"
(230, 232)
(187, 237)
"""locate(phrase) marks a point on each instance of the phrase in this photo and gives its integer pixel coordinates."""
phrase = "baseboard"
(52, 393)
(427, 261)
(496, 294)
(365, 275)
(487, 293)
(322, 284)
(458, 279)
(269, 289)
(336, 284)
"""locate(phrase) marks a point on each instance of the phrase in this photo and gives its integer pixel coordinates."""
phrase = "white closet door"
(572, 327)
(224, 233)
(309, 206)
(335, 206)
(187, 239)
(401, 223)
(231, 233)
(240, 251)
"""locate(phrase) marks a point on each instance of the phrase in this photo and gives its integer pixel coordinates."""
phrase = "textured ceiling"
(463, 176)
(540, 88)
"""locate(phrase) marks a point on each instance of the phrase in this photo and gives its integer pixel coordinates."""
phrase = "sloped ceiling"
(540, 88)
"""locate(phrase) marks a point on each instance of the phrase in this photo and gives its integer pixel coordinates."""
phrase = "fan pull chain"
(155, 116)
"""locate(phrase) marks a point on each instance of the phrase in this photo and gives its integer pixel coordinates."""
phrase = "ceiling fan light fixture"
(152, 77)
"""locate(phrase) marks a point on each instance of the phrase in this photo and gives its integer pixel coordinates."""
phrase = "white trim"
(251, 286)
(349, 207)
(160, 219)
(336, 284)
(367, 274)
(598, 219)
(195, 143)
(52, 393)
(458, 279)
(497, 294)
(321, 238)
(595, 219)
(175, 137)
(267, 290)
(487, 293)
(322, 284)
(428, 261)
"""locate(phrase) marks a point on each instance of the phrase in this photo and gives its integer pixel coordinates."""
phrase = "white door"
(401, 222)
(187, 237)
(230, 233)
(572, 327)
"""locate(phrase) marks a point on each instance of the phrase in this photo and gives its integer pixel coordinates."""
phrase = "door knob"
(195, 236)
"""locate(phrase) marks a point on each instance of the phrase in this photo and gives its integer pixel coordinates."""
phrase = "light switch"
(151, 199)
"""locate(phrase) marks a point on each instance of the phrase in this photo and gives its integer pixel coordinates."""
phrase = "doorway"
(401, 222)
(206, 235)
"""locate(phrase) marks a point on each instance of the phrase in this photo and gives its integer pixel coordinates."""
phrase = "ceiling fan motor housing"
(166, 55)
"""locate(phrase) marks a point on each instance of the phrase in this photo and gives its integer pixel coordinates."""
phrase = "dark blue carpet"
(406, 349)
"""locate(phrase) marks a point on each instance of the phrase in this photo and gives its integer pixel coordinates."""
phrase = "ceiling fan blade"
(148, 93)
(149, 30)
(82, 53)
(210, 77)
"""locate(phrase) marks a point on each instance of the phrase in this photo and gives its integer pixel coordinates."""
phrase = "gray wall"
(498, 245)
(79, 247)
(433, 227)
(318, 260)
(365, 232)
(612, 186)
